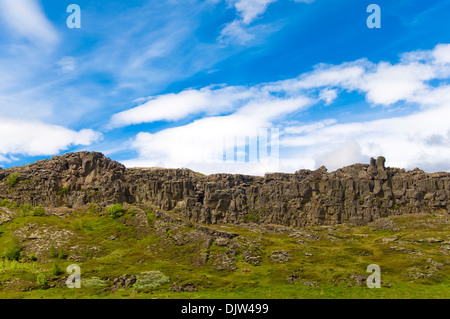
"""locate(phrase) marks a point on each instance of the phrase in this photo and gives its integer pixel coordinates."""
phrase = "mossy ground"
(324, 261)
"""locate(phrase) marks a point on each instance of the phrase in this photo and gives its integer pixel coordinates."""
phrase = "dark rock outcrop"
(356, 194)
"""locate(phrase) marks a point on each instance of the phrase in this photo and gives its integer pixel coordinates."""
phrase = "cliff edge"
(356, 194)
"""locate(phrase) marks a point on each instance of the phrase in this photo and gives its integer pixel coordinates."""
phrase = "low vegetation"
(39, 211)
(115, 211)
(13, 179)
(63, 190)
(13, 252)
(171, 258)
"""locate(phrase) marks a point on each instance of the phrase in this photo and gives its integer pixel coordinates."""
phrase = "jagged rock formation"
(356, 194)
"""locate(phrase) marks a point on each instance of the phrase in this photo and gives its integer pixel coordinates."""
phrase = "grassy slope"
(327, 257)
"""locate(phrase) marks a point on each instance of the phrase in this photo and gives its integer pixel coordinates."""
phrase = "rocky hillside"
(356, 194)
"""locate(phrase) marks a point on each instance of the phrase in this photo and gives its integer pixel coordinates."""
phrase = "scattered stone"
(252, 257)
(38, 240)
(389, 239)
(434, 264)
(123, 282)
(360, 280)
(293, 278)
(190, 287)
(311, 284)
(425, 270)
(280, 256)
(224, 261)
(407, 250)
(6, 215)
(221, 241)
(430, 240)
(445, 245)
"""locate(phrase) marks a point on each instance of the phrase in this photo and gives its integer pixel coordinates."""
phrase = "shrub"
(93, 208)
(41, 281)
(39, 211)
(25, 209)
(151, 217)
(77, 225)
(63, 190)
(56, 271)
(13, 179)
(32, 257)
(53, 252)
(150, 279)
(94, 282)
(13, 252)
(5, 203)
(251, 218)
(62, 254)
(115, 211)
(133, 212)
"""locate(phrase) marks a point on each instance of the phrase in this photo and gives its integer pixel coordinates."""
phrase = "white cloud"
(236, 31)
(249, 10)
(408, 140)
(199, 145)
(389, 84)
(328, 96)
(433, 96)
(347, 76)
(442, 53)
(172, 107)
(309, 127)
(66, 64)
(384, 83)
(27, 19)
(341, 155)
(404, 141)
(34, 138)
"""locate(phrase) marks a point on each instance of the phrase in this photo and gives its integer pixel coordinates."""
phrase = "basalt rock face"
(356, 194)
(73, 179)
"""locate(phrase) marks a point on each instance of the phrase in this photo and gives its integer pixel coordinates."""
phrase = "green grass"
(108, 248)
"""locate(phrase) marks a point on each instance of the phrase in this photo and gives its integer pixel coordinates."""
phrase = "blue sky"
(177, 83)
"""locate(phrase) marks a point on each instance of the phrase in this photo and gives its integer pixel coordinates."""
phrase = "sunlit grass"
(327, 261)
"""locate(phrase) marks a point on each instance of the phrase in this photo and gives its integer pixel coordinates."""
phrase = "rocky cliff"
(356, 194)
